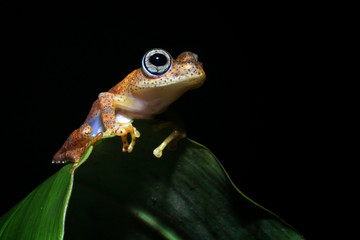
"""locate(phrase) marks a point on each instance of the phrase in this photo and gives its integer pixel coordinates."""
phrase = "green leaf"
(41, 214)
(186, 194)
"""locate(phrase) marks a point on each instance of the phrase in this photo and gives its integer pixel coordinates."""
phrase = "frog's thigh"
(175, 136)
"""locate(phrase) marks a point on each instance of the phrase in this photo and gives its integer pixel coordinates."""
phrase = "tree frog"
(143, 93)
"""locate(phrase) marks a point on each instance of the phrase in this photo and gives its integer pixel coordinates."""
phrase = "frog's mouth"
(191, 75)
(186, 83)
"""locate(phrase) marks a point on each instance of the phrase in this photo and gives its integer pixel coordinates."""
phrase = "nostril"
(187, 57)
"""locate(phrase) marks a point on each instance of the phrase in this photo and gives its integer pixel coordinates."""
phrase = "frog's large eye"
(156, 62)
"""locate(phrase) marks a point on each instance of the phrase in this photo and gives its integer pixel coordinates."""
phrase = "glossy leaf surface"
(186, 194)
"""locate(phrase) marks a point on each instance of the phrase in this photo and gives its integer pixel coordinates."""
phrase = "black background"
(58, 58)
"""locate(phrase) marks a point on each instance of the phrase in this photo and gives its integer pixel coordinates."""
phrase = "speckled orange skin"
(139, 95)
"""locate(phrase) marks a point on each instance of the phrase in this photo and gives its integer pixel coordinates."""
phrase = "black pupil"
(158, 59)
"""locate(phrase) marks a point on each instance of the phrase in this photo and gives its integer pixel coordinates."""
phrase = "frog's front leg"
(108, 103)
(171, 141)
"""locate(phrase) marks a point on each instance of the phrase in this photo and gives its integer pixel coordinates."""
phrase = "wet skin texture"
(143, 93)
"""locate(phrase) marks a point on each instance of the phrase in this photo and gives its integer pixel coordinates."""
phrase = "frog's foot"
(74, 155)
(172, 139)
(122, 130)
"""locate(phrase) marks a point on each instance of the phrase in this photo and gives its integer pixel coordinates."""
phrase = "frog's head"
(161, 79)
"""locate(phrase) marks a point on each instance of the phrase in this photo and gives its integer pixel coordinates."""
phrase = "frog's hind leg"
(76, 145)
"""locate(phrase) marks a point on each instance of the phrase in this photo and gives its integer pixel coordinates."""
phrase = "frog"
(144, 93)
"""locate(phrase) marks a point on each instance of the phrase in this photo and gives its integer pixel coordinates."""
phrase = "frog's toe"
(125, 143)
(158, 152)
(60, 159)
(134, 133)
(57, 161)
(54, 161)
